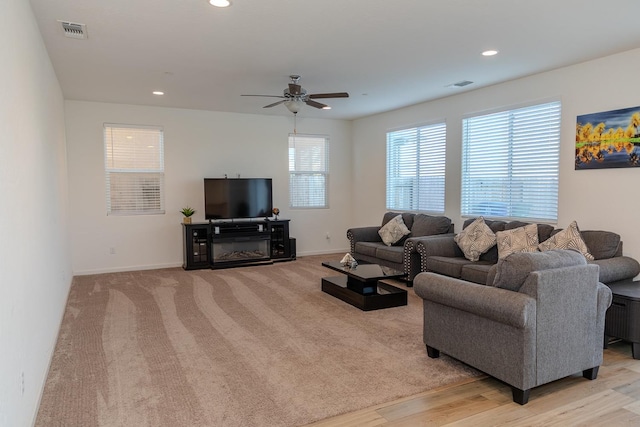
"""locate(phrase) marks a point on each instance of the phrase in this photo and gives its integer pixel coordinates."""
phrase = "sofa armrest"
(439, 245)
(511, 308)
(412, 258)
(617, 268)
(363, 234)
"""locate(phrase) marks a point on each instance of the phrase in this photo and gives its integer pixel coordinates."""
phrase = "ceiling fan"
(295, 96)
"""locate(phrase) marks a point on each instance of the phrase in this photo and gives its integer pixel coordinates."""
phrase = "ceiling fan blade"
(275, 103)
(295, 89)
(267, 96)
(329, 95)
(315, 104)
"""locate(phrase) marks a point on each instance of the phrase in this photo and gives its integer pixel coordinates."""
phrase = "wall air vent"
(74, 30)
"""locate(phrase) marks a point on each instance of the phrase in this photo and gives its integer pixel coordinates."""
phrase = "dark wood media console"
(236, 243)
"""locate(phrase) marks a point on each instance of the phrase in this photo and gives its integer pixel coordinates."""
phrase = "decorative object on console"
(393, 231)
(476, 239)
(187, 212)
(275, 212)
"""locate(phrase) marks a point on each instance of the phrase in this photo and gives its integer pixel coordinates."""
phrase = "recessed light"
(158, 92)
(220, 3)
(489, 52)
(326, 107)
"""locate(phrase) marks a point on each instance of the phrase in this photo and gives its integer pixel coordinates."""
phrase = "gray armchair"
(541, 321)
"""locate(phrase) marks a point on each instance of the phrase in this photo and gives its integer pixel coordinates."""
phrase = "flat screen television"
(237, 198)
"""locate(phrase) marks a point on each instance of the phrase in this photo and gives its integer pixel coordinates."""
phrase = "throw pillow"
(476, 239)
(567, 239)
(393, 230)
(521, 239)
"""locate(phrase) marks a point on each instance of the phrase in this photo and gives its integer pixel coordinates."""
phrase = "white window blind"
(134, 168)
(510, 163)
(416, 168)
(308, 171)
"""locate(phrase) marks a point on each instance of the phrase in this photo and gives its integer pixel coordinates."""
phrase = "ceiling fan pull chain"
(295, 123)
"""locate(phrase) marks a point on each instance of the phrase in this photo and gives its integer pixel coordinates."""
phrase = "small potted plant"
(187, 212)
(275, 212)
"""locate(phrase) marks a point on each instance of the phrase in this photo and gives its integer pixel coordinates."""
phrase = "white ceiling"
(386, 54)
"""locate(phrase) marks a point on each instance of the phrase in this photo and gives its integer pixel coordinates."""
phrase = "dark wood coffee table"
(361, 286)
(623, 316)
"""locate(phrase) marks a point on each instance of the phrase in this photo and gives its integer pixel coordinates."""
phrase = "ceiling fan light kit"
(294, 97)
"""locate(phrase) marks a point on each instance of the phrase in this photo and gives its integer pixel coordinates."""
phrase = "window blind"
(416, 168)
(134, 168)
(510, 163)
(308, 171)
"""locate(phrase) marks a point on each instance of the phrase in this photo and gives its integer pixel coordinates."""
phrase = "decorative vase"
(187, 220)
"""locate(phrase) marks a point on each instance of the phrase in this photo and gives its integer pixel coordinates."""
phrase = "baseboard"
(128, 268)
(52, 351)
(332, 251)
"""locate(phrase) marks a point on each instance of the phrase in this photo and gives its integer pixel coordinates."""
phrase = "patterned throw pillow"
(393, 230)
(521, 239)
(476, 239)
(567, 239)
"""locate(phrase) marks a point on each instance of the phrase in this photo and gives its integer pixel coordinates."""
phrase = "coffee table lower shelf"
(387, 296)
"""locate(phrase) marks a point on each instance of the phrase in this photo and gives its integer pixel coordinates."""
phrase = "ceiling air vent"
(74, 30)
(462, 83)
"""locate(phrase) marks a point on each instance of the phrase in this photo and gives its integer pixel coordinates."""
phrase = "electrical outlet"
(328, 236)
(112, 251)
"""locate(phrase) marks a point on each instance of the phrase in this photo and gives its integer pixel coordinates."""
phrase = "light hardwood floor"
(613, 399)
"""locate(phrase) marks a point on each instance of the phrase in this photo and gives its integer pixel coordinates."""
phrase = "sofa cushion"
(476, 272)
(427, 225)
(521, 239)
(512, 271)
(367, 248)
(475, 239)
(390, 253)
(393, 231)
(569, 238)
(447, 266)
(601, 244)
(407, 218)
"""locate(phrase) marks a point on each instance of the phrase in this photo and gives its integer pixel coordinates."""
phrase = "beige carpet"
(251, 346)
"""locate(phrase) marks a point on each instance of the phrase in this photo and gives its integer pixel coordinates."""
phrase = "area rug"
(250, 346)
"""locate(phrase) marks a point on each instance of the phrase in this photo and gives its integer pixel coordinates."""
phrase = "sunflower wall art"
(610, 139)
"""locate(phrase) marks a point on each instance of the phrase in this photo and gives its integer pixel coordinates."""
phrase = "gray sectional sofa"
(367, 245)
(441, 254)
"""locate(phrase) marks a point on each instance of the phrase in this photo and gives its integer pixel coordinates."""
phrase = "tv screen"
(237, 198)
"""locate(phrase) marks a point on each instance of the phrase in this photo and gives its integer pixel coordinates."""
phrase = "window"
(415, 168)
(308, 171)
(134, 167)
(510, 163)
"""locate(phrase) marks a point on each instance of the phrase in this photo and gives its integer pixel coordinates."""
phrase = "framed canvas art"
(610, 139)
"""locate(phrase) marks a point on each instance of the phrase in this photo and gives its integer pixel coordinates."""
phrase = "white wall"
(598, 199)
(35, 264)
(198, 144)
